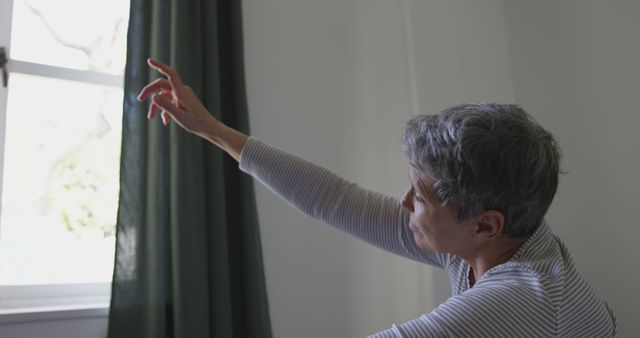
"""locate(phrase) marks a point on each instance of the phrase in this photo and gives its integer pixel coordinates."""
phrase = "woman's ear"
(489, 224)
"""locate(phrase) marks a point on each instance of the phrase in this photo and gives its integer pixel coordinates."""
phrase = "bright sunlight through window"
(62, 142)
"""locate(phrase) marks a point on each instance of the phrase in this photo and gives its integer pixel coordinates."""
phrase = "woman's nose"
(407, 200)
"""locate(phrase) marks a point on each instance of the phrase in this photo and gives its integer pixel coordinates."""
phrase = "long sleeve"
(491, 309)
(372, 217)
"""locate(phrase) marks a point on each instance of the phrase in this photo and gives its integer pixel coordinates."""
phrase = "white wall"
(575, 67)
(334, 81)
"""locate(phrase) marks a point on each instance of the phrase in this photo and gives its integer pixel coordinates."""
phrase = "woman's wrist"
(226, 138)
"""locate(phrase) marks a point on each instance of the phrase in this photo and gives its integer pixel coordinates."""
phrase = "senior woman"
(481, 180)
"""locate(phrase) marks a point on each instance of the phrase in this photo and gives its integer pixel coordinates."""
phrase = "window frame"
(17, 300)
(30, 298)
(6, 8)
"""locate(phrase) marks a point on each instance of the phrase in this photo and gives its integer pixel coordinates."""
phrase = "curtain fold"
(188, 258)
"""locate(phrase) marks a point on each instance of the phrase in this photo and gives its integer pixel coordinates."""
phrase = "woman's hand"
(174, 100)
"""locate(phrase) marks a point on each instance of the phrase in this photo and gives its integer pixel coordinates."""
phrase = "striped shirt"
(537, 293)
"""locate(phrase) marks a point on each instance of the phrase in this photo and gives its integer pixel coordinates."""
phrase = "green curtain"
(188, 258)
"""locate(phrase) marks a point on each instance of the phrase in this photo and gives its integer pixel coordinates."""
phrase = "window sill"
(49, 313)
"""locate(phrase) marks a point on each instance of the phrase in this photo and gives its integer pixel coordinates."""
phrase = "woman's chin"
(421, 241)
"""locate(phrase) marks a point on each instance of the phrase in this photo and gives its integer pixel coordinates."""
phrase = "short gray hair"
(487, 156)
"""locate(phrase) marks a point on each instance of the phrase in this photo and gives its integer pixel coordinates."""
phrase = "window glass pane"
(61, 182)
(78, 34)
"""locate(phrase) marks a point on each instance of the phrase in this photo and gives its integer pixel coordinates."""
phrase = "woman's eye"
(418, 198)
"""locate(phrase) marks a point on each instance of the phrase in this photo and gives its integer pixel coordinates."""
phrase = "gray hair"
(487, 156)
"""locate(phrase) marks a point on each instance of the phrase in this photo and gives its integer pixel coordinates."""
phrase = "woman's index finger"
(166, 70)
(158, 84)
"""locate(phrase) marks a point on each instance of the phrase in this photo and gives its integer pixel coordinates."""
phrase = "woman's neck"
(493, 254)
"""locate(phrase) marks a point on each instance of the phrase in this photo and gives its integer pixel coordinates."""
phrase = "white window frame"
(55, 301)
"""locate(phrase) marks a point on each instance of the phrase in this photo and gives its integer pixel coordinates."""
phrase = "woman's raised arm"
(315, 191)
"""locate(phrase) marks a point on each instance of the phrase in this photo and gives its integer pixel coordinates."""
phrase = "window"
(60, 129)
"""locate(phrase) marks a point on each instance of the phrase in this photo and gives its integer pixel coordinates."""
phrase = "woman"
(482, 178)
